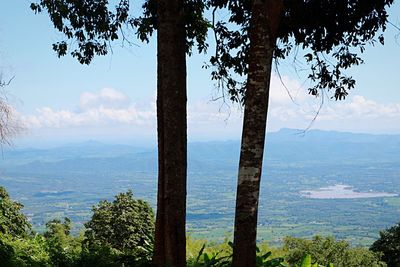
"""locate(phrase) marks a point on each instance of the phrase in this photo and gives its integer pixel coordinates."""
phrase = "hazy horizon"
(29, 141)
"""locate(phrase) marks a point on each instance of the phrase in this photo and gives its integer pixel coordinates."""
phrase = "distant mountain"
(284, 146)
(317, 145)
(90, 149)
(295, 135)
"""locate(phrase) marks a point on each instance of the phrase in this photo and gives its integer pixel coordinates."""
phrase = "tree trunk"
(170, 239)
(263, 26)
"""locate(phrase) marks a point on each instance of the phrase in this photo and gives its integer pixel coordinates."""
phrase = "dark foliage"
(389, 245)
(331, 34)
(90, 26)
(12, 220)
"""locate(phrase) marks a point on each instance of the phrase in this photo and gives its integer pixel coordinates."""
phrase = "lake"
(340, 191)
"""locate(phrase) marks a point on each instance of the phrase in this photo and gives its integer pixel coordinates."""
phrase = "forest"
(250, 42)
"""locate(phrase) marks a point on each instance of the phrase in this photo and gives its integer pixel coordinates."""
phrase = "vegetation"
(12, 221)
(120, 233)
(63, 249)
(123, 228)
(326, 250)
(307, 262)
(220, 255)
(24, 252)
(388, 245)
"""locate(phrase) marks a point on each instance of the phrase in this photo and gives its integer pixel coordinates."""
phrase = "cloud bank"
(110, 108)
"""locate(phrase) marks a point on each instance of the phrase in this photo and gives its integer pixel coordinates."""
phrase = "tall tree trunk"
(263, 26)
(170, 239)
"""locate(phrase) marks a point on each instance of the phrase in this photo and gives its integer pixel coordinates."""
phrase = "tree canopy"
(330, 35)
(63, 248)
(388, 244)
(90, 26)
(125, 225)
(12, 220)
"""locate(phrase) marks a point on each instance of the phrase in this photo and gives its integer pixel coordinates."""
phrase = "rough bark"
(263, 26)
(170, 239)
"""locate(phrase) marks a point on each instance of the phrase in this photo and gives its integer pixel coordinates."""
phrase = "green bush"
(17, 246)
(24, 252)
(64, 249)
(326, 250)
(12, 220)
(119, 232)
(308, 262)
(388, 245)
(220, 255)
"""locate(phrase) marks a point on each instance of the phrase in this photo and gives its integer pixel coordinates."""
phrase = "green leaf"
(306, 262)
(266, 255)
(206, 258)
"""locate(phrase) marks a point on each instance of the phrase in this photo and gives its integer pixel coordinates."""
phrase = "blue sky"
(60, 100)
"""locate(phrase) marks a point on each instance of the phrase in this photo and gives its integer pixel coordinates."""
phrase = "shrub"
(388, 245)
(64, 249)
(121, 231)
(23, 252)
(326, 250)
(12, 220)
(220, 255)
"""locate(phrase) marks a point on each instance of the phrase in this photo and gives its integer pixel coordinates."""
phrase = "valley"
(67, 181)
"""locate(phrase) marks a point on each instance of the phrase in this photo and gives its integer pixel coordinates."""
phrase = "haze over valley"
(66, 181)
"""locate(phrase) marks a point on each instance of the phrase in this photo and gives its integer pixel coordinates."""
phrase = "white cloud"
(108, 107)
(355, 114)
(286, 91)
(112, 108)
(106, 98)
